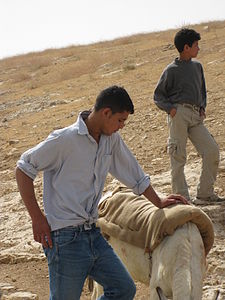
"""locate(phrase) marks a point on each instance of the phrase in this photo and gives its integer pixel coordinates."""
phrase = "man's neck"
(92, 127)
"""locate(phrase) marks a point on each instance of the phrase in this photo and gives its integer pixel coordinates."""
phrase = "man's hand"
(173, 199)
(41, 231)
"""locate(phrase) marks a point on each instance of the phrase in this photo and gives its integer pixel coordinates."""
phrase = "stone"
(20, 296)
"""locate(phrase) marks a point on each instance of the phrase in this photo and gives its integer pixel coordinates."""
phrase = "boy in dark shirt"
(181, 92)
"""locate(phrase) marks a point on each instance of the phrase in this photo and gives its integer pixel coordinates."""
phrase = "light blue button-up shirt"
(75, 168)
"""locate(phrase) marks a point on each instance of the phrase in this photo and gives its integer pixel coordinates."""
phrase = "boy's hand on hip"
(202, 113)
(173, 112)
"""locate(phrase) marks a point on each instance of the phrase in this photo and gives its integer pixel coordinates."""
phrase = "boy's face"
(193, 50)
(113, 122)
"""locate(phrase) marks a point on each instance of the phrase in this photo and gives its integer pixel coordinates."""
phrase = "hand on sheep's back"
(173, 199)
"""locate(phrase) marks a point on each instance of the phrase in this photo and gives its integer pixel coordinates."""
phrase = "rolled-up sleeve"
(44, 156)
(126, 169)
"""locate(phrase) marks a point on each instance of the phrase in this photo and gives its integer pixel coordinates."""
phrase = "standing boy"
(181, 93)
(75, 161)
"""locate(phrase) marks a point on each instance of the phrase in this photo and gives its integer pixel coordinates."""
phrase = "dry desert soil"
(40, 92)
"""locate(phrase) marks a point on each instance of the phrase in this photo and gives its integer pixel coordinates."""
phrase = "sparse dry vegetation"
(42, 91)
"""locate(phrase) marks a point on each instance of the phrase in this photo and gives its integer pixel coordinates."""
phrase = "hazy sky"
(34, 25)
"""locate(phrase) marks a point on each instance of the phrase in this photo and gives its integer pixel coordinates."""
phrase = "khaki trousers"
(187, 123)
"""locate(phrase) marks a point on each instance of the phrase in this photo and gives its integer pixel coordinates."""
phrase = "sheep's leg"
(189, 266)
(181, 284)
(154, 295)
(198, 261)
(160, 294)
(178, 265)
(97, 291)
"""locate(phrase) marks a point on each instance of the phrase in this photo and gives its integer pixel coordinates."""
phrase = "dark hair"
(184, 37)
(116, 98)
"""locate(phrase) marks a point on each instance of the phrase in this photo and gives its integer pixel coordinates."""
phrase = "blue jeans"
(78, 253)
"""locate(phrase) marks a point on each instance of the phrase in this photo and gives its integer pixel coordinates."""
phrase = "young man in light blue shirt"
(75, 162)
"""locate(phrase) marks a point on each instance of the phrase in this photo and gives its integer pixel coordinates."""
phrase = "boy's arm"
(41, 228)
(161, 97)
(204, 93)
(204, 96)
(151, 195)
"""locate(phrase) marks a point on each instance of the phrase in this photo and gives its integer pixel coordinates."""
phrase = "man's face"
(113, 122)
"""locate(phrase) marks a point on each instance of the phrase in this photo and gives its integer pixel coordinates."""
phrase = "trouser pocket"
(172, 146)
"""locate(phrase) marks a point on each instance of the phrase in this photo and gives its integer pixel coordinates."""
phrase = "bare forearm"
(151, 195)
(26, 188)
(41, 228)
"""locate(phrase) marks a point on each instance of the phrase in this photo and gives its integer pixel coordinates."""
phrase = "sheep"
(175, 267)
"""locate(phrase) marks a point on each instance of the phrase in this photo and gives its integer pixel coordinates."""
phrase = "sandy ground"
(34, 100)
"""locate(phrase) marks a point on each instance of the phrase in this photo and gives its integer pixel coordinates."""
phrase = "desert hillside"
(40, 92)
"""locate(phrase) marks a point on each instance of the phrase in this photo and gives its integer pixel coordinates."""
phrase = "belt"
(84, 227)
(192, 106)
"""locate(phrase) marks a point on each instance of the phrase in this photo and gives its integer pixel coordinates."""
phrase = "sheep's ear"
(160, 294)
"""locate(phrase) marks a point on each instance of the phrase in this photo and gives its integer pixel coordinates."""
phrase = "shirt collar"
(82, 128)
(178, 61)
